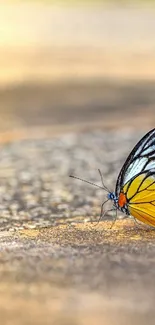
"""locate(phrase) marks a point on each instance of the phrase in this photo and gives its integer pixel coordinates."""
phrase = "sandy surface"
(78, 274)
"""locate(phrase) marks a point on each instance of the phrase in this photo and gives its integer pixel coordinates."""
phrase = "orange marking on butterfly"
(122, 200)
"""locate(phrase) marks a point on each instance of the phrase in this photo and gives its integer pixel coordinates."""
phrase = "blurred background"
(69, 66)
(76, 64)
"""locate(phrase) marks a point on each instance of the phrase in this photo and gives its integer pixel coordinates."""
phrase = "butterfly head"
(111, 196)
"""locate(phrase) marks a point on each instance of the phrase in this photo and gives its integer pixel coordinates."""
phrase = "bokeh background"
(76, 64)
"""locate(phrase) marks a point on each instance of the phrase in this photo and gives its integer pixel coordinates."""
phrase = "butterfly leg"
(136, 222)
(101, 213)
(115, 218)
(139, 225)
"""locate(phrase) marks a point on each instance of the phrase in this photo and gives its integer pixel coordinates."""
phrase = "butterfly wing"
(137, 180)
(141, 158)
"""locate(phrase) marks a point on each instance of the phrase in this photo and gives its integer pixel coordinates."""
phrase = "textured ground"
(35, 188)
(57, 266)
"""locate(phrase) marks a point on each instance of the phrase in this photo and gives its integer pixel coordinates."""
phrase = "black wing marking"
(147, 174)
(141, 158)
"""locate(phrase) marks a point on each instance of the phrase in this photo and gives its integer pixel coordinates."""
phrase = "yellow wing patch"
(141, 215)
(131, 189)
(141, 195)
(138, 186)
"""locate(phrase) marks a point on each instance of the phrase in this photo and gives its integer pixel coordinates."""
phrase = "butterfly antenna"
(102, 181)
(83, 180)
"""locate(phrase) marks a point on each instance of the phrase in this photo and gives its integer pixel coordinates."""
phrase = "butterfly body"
(120, 202)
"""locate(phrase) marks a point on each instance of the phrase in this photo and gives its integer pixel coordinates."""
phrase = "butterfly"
(135, 187)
